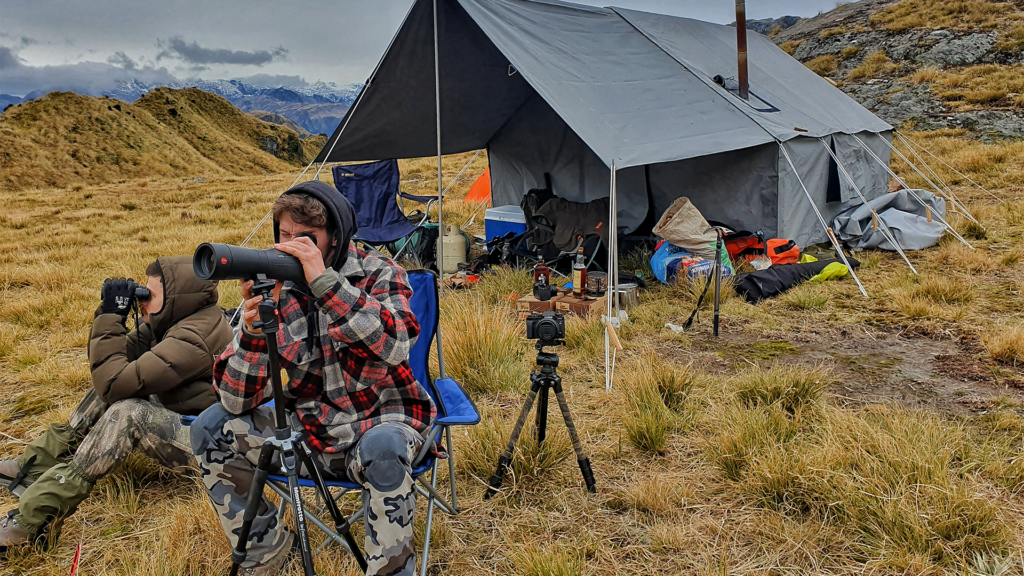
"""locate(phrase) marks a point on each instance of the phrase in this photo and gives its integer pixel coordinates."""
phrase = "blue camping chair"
(372, 189)
(454, 408)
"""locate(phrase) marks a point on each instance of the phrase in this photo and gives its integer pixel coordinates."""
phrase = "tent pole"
(828, 231)
(912, 144)
(440, 194)
(609, 291)
(882, 225)
(928, 180)
(912, 193)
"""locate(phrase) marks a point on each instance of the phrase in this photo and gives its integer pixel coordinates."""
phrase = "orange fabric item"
(480, 191)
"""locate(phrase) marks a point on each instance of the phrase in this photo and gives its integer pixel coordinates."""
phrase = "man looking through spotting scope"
(344, 341)
(143, 382)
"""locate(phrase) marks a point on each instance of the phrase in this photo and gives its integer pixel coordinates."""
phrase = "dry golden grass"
(63, 138)
(790, 46)
(705, 464)
(830, 32)
(824, 65)
(942, 14)
(850, 51)
(874, 65)
(983, 84)
(1011, 40)
(925, 75)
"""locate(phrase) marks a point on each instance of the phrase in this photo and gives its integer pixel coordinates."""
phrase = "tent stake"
(821, 219)
(926, 179)
(928, 208)
(885, 228)
(910, 144)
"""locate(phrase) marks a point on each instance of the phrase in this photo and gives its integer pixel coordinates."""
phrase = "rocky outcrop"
(846, 34)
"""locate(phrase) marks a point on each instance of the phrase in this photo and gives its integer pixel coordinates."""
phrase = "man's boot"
(15, 478)
(12, 535)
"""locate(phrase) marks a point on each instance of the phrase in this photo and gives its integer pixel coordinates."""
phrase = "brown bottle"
(541, 273)
(579, 274)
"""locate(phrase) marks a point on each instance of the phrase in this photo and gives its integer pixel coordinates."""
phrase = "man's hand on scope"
(308, 254)
(250, 311)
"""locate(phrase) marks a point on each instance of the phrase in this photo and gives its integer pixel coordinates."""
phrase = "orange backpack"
(747, 246)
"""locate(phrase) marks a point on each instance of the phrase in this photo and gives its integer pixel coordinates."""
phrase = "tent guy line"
(911, 144)
(959, 204)
(881, 223)
(916, 196)
(928, 180)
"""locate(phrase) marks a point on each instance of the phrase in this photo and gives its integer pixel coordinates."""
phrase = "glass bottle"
(579, 274)
(541, 273)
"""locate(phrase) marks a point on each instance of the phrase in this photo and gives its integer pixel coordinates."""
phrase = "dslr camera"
(548, 327)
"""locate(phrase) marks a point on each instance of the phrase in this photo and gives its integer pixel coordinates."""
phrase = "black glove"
(117, 295)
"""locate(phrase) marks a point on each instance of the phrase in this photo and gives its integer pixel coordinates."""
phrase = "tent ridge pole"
(882, 225)
(440, 192)
(828, 231)
(911, 191)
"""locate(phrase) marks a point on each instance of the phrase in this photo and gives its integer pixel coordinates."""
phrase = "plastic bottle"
(579, 274)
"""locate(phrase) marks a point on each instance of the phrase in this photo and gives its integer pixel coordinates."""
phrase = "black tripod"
(542, 382)
(292, 450)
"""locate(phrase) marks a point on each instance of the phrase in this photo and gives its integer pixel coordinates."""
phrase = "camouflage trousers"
(228, 447)
(101, 438)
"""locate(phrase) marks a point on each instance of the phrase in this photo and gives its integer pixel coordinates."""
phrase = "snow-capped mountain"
(317, 107)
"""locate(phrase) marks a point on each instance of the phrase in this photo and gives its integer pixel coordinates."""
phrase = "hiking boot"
(9, 472)
(275, 565)
(11, 534)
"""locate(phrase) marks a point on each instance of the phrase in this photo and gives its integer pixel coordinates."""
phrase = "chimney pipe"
(741, 47)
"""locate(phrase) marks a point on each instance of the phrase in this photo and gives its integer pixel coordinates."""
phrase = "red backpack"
(747, 246)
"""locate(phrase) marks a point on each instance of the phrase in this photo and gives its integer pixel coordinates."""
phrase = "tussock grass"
(982, 84)
(850, 52)
(1006, 344)
(792, 388)
(536, 561)
(483, 345)
(824, 65)
(925, 75)
(830, 32)
(939, 14)
(790, 46)
(875, 64)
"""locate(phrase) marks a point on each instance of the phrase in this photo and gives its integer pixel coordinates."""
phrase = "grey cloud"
(193, 53)
(8, 59)
(26, 41)
(93, 78)
(123, 60)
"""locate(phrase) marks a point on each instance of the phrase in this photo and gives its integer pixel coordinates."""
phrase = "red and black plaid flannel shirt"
(355, 374)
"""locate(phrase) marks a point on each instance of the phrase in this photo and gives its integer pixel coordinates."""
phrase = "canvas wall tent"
(572, 90)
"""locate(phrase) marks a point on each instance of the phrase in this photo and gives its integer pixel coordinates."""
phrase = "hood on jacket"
(184, 293)
(341, 216)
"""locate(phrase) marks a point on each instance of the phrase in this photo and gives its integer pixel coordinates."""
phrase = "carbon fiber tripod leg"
(506, 458)
(581, 458)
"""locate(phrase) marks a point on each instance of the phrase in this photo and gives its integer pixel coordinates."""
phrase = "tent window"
(834, 194)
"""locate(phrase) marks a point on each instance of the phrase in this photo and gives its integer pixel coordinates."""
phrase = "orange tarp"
(481, 189)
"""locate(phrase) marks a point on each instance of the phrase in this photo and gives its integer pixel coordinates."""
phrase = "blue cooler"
(501, 220)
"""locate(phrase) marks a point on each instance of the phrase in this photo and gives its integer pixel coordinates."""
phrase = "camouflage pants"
(227, 448)
(110, 433)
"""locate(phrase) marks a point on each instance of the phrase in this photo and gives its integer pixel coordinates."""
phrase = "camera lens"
(547, 329)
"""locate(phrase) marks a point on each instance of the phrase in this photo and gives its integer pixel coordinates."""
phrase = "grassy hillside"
(280, 120)
(821, 434)
(64, 139)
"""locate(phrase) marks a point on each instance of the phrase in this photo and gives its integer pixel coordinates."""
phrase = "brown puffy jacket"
(172, 355)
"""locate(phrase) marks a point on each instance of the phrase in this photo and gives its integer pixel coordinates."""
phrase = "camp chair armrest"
(458, 407)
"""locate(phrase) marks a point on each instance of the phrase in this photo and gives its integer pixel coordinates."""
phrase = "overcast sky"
(88, 45)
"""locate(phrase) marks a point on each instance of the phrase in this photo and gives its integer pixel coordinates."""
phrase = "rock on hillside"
(931, 63)
(63, 138)
(272, 118)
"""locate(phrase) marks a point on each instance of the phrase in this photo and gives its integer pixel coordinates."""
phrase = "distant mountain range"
(318, 107)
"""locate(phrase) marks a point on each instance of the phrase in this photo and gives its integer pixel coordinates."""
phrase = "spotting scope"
(227, 262)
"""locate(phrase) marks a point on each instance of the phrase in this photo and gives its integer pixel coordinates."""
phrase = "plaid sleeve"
(240, 375)
(373, 319)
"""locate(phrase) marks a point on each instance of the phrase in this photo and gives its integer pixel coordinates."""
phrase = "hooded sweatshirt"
(170, 356)
(344, 342)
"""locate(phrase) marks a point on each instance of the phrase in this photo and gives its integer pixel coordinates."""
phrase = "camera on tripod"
(547, 327)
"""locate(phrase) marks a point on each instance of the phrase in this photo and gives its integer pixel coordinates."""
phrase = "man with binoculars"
(344, 339)
(143, 381)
